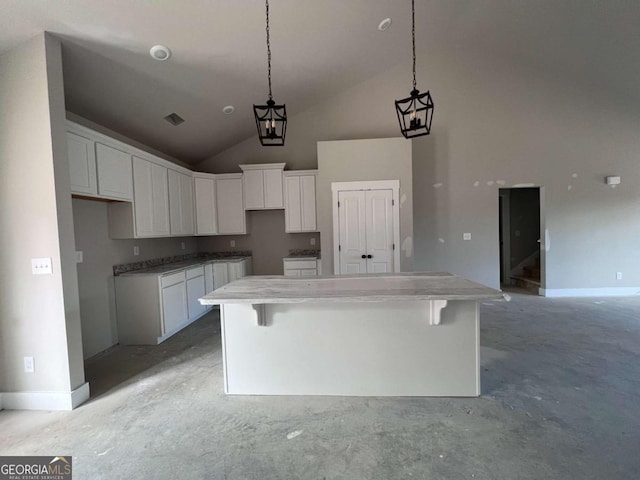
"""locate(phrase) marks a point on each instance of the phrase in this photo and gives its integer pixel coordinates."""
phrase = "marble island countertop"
(395, 287)
(181, 265)
(298, 253)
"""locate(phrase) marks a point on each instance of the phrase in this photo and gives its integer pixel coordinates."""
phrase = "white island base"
(393, 342)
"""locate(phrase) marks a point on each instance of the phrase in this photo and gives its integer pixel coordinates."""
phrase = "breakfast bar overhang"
(399, 334)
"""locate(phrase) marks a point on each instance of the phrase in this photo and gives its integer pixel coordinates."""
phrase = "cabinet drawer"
(308, 272)
(299, 263)
(172, 279)
(291, 272)
(195, 272)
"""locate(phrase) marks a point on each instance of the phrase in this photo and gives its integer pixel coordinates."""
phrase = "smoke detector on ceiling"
(160, 53)
(228, 110)
(384, 24)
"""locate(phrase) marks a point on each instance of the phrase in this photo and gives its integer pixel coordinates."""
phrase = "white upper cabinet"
(206, 210)
(263, 186)
(151, 199)
(300, 201)
(82, 164)
(115, 178)
(230, 205)
(181, 203)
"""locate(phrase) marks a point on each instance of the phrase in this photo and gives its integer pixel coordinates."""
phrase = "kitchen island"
(399, 334)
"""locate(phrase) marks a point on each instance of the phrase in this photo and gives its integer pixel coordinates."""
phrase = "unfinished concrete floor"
(561, 400)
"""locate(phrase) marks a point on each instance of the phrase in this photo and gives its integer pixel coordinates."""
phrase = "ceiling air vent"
(174, 119)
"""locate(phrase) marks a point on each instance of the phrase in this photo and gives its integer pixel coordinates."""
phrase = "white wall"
(39, 315)
(95, 274)
(493, 122)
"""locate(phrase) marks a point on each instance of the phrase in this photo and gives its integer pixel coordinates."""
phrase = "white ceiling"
(319, 48)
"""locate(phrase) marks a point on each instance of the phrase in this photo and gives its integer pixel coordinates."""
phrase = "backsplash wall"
(266, 239)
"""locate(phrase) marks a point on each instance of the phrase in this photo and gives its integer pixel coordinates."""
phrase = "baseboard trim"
(45, 400)
(589, 292)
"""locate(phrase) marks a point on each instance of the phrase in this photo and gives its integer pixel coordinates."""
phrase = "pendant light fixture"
(271, 119)
(416, 111)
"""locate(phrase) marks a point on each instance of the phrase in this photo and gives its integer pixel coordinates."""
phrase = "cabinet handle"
(364, 256)
(369, 256)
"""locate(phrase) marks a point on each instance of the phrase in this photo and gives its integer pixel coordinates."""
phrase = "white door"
(206, 219)
(366, 231)
(379, 220)
(82, 164)
(273, 197)
(353, 243)
(195, 290)
(231, 216)
(174, 306)
(115, 178)
(253, 189)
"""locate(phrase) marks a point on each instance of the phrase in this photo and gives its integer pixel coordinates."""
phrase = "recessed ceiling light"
(160, 53)
(228, 110)
(384, 24)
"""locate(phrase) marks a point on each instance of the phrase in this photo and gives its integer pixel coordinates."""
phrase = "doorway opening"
(520, 228)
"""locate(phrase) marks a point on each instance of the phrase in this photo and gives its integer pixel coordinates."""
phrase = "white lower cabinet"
(152, 307)
(174, 307)
(300, 267)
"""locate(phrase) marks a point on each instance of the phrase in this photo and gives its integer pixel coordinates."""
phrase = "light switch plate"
(232, 243)
(466, 236)
(182, 246)
(79, 256)
(29, 366)
(313, 241)
(136, 250)
(618, 275)
(41, 266)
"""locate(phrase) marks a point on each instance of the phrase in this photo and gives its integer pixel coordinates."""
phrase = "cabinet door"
(205, 196)
(253, 189)
(231, 216)
(220, 275)
(293, 206)
(195, 290)
(186, 203)
(174, 306)
(81, 156)
(308, 203)
(292, 272)
(160, 206)
(143, 197)
(273, 188)
(180, 203)
(115, 178)
(150, 198)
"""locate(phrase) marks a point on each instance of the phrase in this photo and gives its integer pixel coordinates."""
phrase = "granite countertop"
(181, 265)
(385, 287)
(302, 253)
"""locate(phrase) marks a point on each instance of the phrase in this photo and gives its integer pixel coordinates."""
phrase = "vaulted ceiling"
(320, 47)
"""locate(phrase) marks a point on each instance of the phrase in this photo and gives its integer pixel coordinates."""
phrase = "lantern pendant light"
(416, 111)
(271, 119)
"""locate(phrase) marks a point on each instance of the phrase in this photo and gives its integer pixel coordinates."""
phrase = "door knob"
(369, 256)
(364, 256)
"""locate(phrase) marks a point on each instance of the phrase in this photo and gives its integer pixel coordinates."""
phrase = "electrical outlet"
(313, 241)
(232, 243)
(79, 256)
(182, 246)
(29, 366)
(41, 266)
(136, 250)
(466, 236)
(618, 275)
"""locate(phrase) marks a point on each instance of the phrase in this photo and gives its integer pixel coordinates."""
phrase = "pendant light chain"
(269, 53)
(413, 38)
